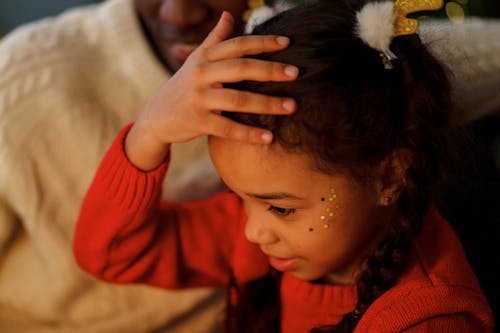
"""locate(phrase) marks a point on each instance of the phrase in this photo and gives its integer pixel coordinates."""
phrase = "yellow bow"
(407, 26)
(252, 5)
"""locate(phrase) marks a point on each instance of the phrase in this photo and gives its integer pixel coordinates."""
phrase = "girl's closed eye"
(280, 211)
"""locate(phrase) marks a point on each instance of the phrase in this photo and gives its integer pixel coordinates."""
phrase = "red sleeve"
(449, 324)
(124, 234)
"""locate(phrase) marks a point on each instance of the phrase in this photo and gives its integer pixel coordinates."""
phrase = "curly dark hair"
(352, 113)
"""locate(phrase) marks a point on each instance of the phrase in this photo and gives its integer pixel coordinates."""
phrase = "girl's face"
(315, 226)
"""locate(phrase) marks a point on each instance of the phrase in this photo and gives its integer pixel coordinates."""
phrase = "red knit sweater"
(126, 235)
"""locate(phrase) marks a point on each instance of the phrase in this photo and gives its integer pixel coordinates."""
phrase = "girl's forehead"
(270, 158)
(253, 168)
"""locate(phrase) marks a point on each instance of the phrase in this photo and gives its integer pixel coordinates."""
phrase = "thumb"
(221, 31)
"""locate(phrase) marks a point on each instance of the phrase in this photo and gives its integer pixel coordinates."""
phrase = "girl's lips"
(182, 50)
(284, 265)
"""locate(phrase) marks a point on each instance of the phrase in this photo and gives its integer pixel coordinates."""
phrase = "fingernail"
(289, 105)
(266, 137)
(291, 71)
(282, 40)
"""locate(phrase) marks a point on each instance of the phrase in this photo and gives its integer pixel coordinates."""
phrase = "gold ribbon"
(252, 5)
(407, 26)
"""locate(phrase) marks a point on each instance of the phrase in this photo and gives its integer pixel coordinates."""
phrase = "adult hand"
(189, 103)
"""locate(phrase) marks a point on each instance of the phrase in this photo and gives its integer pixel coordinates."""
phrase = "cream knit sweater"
(67, 86)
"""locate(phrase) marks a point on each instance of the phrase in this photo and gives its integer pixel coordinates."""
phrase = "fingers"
(243, 101)
(236, 70)
(217, 47)
(245, 45)
(220, 32)
(226, 128)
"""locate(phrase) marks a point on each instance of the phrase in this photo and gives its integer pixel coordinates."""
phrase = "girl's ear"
(391, 176)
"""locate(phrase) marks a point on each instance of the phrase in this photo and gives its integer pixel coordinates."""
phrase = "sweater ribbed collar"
(306, 304)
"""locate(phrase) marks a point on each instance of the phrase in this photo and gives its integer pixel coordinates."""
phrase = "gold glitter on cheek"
(329, 211)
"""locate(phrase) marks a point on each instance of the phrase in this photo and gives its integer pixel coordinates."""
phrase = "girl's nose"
(256, 231)
(183, 14)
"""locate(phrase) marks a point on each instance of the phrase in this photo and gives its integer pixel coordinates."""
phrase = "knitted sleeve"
(438, 292)
(124, 234)
(435, 308)
(449, 324)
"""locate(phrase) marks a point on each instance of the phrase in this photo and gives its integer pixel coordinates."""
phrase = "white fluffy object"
(375, 25)
(263, 14)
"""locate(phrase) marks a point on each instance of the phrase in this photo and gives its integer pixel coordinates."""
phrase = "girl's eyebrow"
(274, 196)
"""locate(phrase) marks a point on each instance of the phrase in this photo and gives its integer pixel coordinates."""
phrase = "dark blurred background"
(487, 8)
(16, 12)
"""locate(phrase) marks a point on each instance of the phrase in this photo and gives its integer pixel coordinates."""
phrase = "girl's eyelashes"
(281, 211)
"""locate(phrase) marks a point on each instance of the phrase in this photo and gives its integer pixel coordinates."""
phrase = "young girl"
(330, 225)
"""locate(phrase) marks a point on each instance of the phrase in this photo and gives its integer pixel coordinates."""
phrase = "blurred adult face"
(176, 27)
